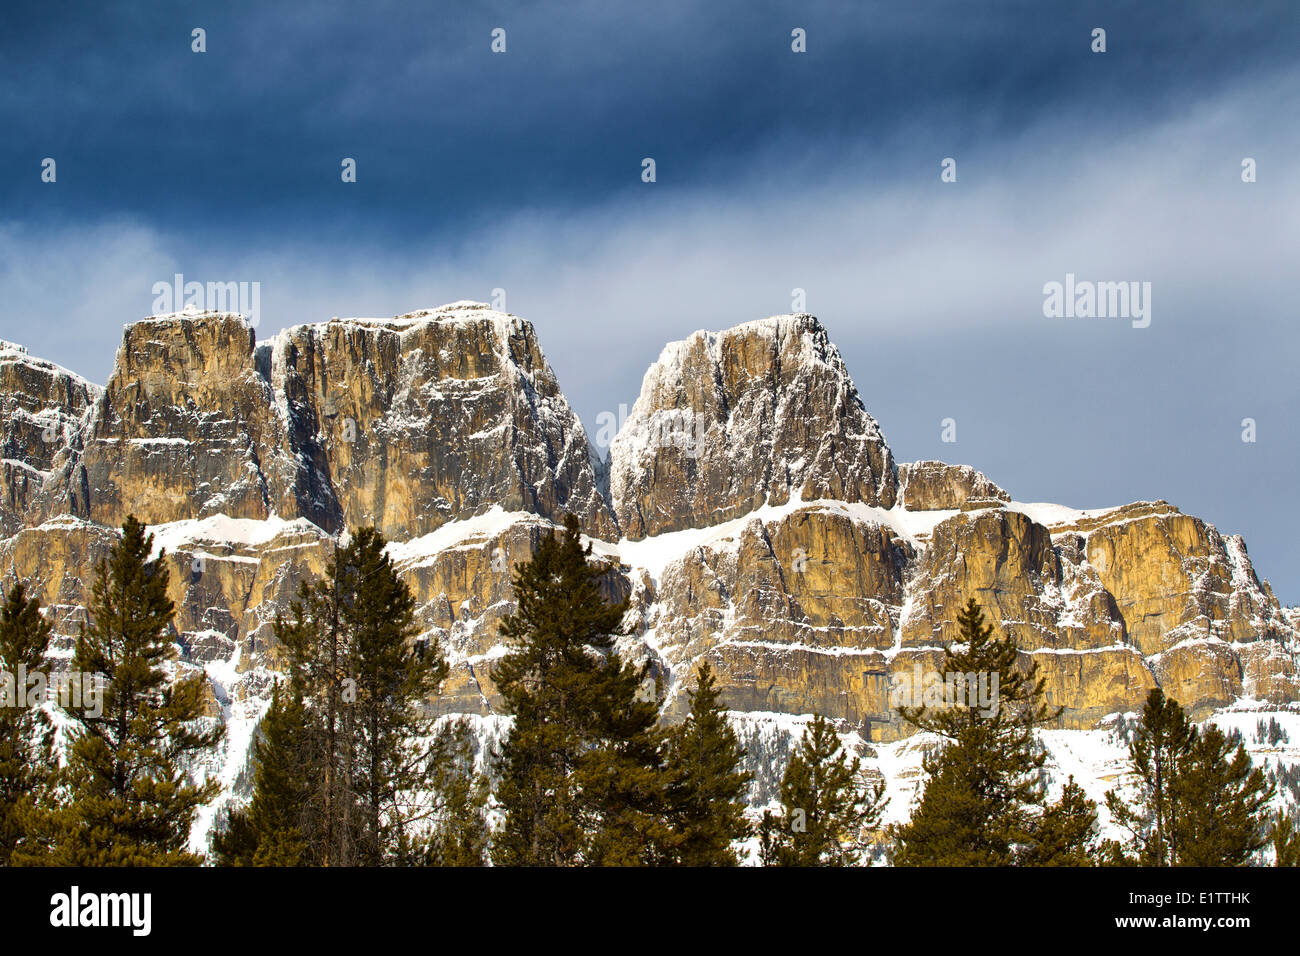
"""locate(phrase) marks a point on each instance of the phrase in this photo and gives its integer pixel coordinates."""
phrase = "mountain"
(750, 510)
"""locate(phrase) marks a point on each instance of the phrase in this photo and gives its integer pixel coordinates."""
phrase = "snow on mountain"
(755, 519)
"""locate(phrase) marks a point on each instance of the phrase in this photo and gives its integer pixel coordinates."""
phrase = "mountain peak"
(729, 421)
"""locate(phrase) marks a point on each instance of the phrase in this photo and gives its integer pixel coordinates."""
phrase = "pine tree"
(827, 810)
(983, 799)
(270, 830)
(320, 670)
(459, 834)
(395, 682)
(365, 683)
(581, 777)
(1160, 743)
(1199, 802)
(1285, 838)
(621, 779)
(1064, 834)
(706, 786)
(1226, 803)
(128, 800)
(26, 735)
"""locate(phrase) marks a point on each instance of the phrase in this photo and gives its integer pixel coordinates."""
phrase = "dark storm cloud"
(775, 171)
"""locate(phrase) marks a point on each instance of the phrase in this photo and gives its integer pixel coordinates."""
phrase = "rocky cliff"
(754, 517)
(42, 411)
(404, 423)
(727, 422)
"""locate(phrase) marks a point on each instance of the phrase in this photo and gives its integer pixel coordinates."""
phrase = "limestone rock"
(405, 424)
(179, 430)
(729, 421)
(1203, 675)
(755, 520)
(938, 486)
(1006, 562)
(433, 416)
(1091, 684)
(1174, 578)
(42, 409)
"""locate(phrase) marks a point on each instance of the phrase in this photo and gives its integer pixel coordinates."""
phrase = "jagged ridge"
(756, 517)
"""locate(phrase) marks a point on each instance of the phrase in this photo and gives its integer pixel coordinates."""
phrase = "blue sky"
(775, 170)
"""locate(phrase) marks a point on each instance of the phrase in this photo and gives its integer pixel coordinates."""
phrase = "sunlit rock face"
(42, 411)
(938, 486)
(755, 519)
(729, 421)
(403, 423)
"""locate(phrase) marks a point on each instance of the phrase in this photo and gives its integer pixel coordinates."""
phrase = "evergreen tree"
(1160, 742)
(1285, 838)
(395, 683)
(459, 834)
(706, 786)
(26, 758)
(620, 779)
(270, 830)
(318, 667)
(1225, 799)
(827, 810)
(128, 800)
(1198, 800)
(983, 800)
(1064, 834)
(365, 684)
(581, 777)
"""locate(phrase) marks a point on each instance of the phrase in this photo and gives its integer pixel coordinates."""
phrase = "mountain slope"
(756, 518)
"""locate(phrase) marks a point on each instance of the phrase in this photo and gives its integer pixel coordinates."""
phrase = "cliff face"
(403, 423)
(936, 486)
(42, 410)
(429, 418)
(756, 518)
(728, 421)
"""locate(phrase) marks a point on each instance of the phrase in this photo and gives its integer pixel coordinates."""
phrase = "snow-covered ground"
(1097, 759)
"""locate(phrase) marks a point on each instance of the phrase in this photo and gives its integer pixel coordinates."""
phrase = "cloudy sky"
(775, 170)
